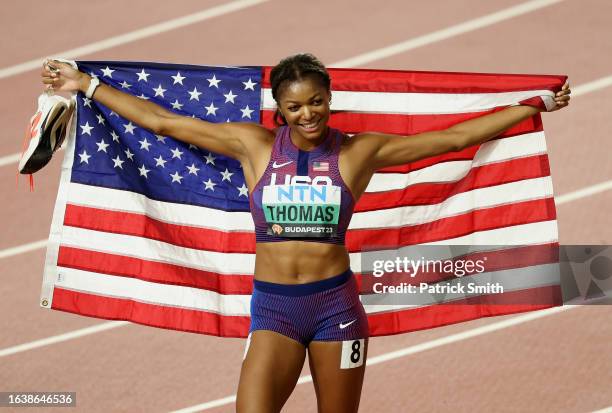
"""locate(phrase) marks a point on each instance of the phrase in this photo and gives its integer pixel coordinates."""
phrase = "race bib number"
(352, 354)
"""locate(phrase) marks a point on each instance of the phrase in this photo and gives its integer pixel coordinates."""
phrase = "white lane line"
(418, 348)
(62, 337)
(606, 410)
(134, 35)
(452, 31)
(9, 159)
(22, 249)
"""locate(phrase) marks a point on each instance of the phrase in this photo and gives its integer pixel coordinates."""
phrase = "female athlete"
(305, 297)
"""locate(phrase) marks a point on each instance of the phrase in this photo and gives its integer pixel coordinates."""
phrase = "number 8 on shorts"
(352, 354)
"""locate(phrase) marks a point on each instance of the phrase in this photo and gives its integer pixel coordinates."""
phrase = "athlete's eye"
(317, 102)
(293, 108)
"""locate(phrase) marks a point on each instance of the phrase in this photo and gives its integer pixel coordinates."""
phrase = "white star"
(108, 72)
(176, 153)
(159, 161)
(176, 177)
(100, 119)
(192, 169)
(177, 105)
(129, 128)
(209, 184)
(210, 159)
(160, 138)
(211, 109)
(243, 190)
(144, 144)
(227, 175)
(129, 154)
(144, 171)
(194, 94)
(195, 148)
(229, 97)
(249, 85)
(86, 129)
(246, 112)
(159, 91)
(143, 75)
(113, 114)
(142, 96)
(87, 102)
(118, 162)
(213, 81)
(125, 85)
(115, 136)
(102, 145)
(84, 157)
(178, 78)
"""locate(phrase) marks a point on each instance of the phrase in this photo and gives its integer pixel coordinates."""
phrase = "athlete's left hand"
(562, 97)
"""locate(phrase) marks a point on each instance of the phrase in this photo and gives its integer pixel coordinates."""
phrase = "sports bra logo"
(279, 165)
(304, 180)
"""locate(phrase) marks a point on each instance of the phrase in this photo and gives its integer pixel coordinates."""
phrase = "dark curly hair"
(292, 68)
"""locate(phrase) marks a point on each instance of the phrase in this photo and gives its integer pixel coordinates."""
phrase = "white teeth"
(310, 125)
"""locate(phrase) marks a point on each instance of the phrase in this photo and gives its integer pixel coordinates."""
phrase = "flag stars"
(118, 162)
(246, 112)
(177, 105)
(102, 146)
(226, 175)
(87, 102)
(144, 171)
(211, 109)
(86, 129)
(100, 119)
(213, 81)
(144, 144)
(176, 153)
(193, 170)
(142, 96)
(108, 72)
(115, 136)
(84, 157)
(243, 190)
(160, 138)
(249, 85)
(229, 97)
(125, 85)
(129, 128)
(176, 177)
(210, 159)
(178, 78)
(209, 185)
(159, 91)
(194, 94)
(129, 154)
(159, 161)
(143, 75)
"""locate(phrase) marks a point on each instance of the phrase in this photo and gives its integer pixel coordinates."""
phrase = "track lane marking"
(139, 34)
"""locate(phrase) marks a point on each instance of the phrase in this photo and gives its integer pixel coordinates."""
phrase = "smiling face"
(304, 104)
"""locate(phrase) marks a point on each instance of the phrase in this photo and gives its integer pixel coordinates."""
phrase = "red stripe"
(478, 177)
(370, 80)
(469, 309)
(452, 227)
(356, 122)
(195, 321)
(152, 271)
(141, 225)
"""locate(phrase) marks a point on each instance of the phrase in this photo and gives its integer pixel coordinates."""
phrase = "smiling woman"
(304, 179)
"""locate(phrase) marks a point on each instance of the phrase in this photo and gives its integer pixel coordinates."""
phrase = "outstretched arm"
(389, 150)
(224, 138)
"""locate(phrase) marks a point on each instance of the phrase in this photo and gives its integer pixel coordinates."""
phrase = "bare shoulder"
(362, 144)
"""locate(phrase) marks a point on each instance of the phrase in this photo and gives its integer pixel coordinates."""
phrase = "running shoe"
(46, 132)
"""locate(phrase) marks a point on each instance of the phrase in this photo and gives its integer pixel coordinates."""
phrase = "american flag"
(154, 231)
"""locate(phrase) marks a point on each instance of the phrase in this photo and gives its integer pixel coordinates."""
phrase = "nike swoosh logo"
(342, 326)
(279, 165)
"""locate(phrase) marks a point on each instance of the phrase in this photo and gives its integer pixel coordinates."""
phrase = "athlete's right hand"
(60, 76)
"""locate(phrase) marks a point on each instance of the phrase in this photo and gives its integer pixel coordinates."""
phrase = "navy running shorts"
(326, 310)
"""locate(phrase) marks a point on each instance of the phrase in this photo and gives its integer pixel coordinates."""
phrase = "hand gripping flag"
(157, 232)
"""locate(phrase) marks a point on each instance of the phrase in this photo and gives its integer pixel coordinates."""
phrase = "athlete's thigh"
(337, 381)
(269, 372)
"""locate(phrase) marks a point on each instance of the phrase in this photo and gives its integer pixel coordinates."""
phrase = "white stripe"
(418, 103)
(62, 337)
(504, 194)
(414, 349)
(152, 292)
(496, 151)
(447, 33)
(158, 251)
(143, 33)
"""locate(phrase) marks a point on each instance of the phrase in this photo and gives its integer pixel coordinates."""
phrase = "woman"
(304, 179)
